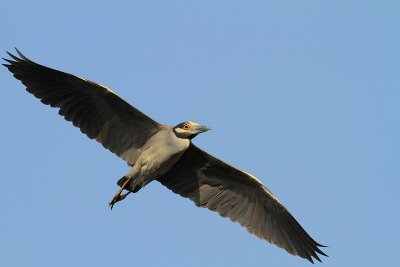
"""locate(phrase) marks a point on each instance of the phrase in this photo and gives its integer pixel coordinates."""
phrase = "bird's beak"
(201, 129)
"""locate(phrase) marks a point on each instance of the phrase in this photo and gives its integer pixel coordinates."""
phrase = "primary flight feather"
(166, 154)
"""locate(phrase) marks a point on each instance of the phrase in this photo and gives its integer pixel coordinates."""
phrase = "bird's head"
(189, 129)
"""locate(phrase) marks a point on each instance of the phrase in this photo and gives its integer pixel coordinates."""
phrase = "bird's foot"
(118, 197)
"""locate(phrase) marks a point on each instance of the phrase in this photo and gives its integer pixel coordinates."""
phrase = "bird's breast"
(160, 154)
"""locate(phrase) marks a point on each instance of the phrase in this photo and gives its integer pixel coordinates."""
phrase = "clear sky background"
(303, 94)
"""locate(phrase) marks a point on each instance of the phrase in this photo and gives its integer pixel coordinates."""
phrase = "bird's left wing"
(213, 184)
(95, 109)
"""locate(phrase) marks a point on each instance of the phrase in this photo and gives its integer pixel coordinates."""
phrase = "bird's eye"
(186, 127)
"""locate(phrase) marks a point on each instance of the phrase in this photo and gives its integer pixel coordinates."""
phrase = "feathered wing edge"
(213, 184)
(95, 109)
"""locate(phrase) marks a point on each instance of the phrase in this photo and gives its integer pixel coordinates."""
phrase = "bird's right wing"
(213, 184)
(95, 109)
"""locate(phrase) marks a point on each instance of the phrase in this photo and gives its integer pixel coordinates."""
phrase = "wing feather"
(211, 183)
(95, 109)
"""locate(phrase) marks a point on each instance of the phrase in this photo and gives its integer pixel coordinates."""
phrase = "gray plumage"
(165, 153)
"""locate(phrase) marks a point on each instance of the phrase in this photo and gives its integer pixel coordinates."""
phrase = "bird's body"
(166, 154)
(156, 158)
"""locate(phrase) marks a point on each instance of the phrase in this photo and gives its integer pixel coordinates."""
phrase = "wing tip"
(21, 57)
(321, 252)
(11, 55)
(315, 255)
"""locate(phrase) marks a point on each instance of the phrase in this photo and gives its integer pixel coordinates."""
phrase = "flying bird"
(165, 154)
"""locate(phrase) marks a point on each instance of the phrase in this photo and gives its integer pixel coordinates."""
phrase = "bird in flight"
(165, 154)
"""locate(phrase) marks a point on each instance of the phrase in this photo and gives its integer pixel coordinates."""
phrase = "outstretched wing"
(215, 185)
(95, 109)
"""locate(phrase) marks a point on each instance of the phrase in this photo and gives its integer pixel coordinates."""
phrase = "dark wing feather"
(215, 185)
(95, 109)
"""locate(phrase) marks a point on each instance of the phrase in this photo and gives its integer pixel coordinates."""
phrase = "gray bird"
(166, 154)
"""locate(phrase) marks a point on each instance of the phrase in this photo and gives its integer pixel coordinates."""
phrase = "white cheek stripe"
(179, 130)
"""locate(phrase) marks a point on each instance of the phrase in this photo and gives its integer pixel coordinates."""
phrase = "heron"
(163, 153)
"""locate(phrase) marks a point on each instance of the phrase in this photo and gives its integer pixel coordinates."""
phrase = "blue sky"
(303, 94)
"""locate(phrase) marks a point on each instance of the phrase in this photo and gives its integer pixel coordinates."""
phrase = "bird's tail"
(131, 186)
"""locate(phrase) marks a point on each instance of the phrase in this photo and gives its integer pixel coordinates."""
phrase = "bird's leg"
(118, 196)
